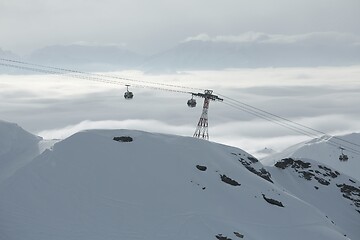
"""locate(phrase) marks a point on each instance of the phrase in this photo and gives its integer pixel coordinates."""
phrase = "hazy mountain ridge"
(197, 54)
(130, 184)
(249, 50)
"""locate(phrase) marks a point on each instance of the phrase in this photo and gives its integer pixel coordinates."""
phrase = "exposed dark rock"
(307, 175)
(350, 192)
(324, 167)
(286, 162)
(228, 180)
(221, 237)
(239, 235)
(351, 180)
(322, 181)
(201, 168)
(273, 201)
(349, 189)
(329, 172)
(261, 172)
(316, 187)
(252, 159)
(123, 139)
(203, 188)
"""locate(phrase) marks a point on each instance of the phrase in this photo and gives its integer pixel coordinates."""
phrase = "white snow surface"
(18, 148)
(324, 188)
(89, 186)
(326, 150)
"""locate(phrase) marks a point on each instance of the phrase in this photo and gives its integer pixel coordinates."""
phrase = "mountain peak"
(128, 184)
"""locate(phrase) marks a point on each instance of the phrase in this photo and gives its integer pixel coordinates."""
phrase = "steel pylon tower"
(203, 125)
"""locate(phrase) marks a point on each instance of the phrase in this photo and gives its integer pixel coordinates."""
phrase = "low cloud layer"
(314, 38)
(322, 98)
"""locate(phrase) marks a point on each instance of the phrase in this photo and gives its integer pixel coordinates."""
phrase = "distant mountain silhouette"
(197, 55)
(250, 50)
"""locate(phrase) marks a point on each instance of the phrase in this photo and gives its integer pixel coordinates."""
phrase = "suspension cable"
(91, 78)
(288, 126)
(99, 75)
(104, 78)
(287, 120)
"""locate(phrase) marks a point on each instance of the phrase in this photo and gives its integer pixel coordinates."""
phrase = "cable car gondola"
(191, 102)
(127, 94)
(343, 157)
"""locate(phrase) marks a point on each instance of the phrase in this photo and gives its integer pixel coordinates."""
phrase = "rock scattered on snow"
(228, 180)
(254, 166)
(286, 162)
(221, 237)
(262, 172)
(201, 168)
(273, 201)
(302, 168)
(350, 192)
(123, 139)
(252, 159)
(239, 235)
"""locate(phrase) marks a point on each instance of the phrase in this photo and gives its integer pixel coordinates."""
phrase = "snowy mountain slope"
(17, 148)
(320, 150)
(151, 186)
(334, 193)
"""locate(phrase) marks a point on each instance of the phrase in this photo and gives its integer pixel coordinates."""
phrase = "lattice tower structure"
(202, 129)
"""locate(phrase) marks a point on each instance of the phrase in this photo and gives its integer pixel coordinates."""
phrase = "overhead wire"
(99, 75)
(287, 120)
(271, 117)
(91, 78)
(289, 124)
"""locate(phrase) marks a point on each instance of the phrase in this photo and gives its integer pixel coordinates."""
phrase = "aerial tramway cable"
(292, 127)
(83, 76)
(96, 74)
(284, 119)
(236, 104)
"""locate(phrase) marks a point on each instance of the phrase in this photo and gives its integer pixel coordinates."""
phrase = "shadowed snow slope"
(17, 147)
(334, 193)
(151, 186)
(326, 150)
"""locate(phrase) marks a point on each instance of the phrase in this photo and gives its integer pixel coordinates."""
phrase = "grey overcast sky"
(150, 26)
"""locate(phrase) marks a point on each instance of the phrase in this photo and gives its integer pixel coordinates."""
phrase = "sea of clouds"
(324, 98)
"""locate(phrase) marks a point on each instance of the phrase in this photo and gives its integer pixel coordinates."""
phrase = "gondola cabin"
(128, 94)
(343, 157)
(191, 102)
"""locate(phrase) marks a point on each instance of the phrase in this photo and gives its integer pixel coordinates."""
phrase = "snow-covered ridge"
(14, 138)
(17, 148)
(325, 150)
(332, 192)
(126, 184)
(122, 184)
